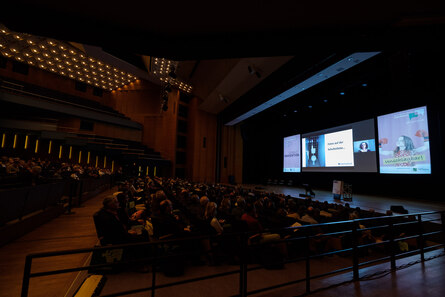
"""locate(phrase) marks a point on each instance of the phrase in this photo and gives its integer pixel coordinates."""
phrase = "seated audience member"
(210, 217)
(166, 224)
(238, 210)
(308, 216)
(110, 229)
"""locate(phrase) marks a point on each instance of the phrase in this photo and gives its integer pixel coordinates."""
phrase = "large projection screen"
(291, 153)
(346, 148)
(404, 142)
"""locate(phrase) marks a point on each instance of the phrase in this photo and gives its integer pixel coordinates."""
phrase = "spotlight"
(168, 88)
(250, 69)
(253, 71)
(172, 73)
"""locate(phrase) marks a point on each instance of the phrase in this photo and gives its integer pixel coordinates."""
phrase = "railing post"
(308, 262)
(243, 266)
(26, 274)
(421, 240)
(355, 254)
(392, 247)
(442, 216)
(153, 269)
(79, 202)
(70, 197)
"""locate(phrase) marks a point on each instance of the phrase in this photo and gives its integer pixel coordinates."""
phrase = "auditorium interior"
(132, 100)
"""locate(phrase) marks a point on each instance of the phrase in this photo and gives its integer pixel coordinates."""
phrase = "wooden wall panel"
(232, 151)
(201, 161)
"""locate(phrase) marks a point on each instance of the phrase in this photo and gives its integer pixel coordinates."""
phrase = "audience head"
(210, 211)
(110, 203)
(166, 206)
(203, 201)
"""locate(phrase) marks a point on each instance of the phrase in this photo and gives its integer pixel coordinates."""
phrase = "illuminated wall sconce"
(36, 150)
(88, 157)
(80, 156)
(49, 147)
(60, 152)
(71, 153)
(26, 141)
(3, 140)
(15, 141)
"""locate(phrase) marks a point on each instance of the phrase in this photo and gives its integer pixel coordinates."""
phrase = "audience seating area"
(168, 209)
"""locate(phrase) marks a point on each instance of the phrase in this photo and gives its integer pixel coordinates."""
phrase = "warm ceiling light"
(72, 52)
(61, 72)
(42, 46)
(62, 47)
(29, 41)
(54, 51)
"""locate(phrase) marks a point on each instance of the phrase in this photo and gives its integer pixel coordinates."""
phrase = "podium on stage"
(340, 190)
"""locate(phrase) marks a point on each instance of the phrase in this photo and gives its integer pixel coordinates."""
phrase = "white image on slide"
(339, 149)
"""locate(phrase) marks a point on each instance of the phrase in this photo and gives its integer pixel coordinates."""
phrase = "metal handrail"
(243, 269)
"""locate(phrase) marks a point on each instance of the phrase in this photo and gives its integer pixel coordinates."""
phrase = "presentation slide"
(291, 156)
(346, 148)
(404, 142)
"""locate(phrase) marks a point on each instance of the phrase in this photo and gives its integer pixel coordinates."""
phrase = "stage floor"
(379, 204)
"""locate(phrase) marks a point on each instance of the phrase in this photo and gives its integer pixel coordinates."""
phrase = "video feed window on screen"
(404, 142)
(347, 148)
(291, 154)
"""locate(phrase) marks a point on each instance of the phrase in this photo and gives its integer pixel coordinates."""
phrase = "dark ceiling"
(310, 32)
(184, 30)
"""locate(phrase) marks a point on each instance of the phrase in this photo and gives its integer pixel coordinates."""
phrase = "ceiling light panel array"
(61, 58)
(161, 68)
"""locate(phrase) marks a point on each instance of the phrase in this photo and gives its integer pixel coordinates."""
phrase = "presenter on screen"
(364, 147)
(312, 157)
(405, 147)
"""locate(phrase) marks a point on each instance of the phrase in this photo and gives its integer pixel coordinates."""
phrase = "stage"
(379, 204)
